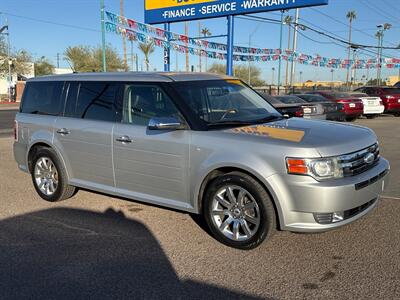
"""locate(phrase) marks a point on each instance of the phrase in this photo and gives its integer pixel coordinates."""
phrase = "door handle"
(63, 131)
(124, 139)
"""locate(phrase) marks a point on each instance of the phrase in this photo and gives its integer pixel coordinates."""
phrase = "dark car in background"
(310, 110)
(390, 97)
(332, 110)
(288, 110)
(352, 107)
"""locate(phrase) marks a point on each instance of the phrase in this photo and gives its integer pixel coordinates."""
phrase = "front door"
(150, 165)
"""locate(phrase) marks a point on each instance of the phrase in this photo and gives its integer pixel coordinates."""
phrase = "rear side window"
(42, 98)
(91, 100)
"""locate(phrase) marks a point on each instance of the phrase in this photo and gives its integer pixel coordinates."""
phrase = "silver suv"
(201, 143)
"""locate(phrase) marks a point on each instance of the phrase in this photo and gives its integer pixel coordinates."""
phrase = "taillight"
(16, 130)
(390, 98)
(299, 112)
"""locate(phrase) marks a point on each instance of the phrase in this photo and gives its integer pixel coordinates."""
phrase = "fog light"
(329, 218)
(337, 216)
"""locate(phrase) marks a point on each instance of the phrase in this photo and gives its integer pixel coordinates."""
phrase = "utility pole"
(9, 61)
(250, 54)
(280, 55)
(121, 12)
(103, 35)
(199, 26)
(273, 76)
(295, 36)
(58, 60)
(132, 57)
(186, 44)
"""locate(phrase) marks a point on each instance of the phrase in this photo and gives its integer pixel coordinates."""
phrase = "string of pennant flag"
(136, 31)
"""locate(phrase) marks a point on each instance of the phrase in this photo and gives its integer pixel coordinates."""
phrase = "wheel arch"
(42, 143)
(216, 172)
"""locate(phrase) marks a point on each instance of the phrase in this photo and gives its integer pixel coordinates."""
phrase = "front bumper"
(301, 198)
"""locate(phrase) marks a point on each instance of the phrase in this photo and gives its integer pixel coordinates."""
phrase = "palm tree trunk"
(348, 53)
(287, 61)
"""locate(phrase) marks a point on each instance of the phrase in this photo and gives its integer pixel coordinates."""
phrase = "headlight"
(320, 168)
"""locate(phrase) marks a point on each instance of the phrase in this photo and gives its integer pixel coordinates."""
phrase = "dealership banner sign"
(165, 11)
(137, 31)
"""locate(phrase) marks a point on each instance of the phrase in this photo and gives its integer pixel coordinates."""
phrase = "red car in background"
(351, 106)
(390, 97)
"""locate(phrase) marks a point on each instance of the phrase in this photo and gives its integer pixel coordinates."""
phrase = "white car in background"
(373, 106)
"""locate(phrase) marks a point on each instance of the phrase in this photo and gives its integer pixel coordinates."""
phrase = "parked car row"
(339, 106)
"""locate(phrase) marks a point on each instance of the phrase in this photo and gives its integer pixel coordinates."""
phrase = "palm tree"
(351, 16)
(205, 32)
(288, 21)
(147, 48)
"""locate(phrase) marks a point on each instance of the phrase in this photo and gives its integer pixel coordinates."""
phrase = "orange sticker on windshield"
(272, 132)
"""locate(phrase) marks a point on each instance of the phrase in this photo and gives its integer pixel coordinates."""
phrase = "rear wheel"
(238, 211)
(49, 176)
(370, 116)
(397, 114)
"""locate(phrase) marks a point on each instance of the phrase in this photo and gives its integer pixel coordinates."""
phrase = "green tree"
(240, 71)
(90, 59)
(20, 59)
(147, 49)
(43, 67)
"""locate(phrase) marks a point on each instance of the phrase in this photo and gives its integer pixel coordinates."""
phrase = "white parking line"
(392, 198)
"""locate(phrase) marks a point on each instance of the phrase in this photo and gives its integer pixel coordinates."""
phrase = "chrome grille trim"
(354, 163)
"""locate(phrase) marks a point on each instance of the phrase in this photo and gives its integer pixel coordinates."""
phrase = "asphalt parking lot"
(95, 246)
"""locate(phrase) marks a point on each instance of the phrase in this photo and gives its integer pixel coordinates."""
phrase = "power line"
(378, 10)
(50, 22)
(342, 23)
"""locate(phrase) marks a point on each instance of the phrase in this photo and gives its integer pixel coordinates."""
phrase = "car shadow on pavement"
(71, 253)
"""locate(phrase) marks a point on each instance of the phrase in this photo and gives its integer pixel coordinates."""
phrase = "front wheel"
(239, 211)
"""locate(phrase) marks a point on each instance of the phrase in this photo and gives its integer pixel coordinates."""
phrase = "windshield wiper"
(269, 119)
(229, 123)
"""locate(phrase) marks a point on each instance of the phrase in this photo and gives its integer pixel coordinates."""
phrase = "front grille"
(370, 181)
(360, 161)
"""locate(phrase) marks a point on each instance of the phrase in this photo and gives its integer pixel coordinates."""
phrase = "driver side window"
(143, 102)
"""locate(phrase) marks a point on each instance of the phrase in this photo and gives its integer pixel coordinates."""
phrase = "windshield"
(225, 101)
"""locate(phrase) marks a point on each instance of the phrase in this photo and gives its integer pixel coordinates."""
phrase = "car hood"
(328, 138)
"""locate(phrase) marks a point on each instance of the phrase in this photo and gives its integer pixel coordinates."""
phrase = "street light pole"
(9, 61)
(103, 36)
(249, 57)
(273, 76)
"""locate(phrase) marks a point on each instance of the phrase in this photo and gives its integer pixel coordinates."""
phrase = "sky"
(48, 27)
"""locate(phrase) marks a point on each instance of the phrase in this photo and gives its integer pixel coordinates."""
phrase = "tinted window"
(91, 100)
(42, 98)
(290, 99)
(391, 91)
(143, 102)
(313, 98)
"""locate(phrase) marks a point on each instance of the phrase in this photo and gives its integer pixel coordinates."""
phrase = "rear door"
(84, 133)
(150, 165)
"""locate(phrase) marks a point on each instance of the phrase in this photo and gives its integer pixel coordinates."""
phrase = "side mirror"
(165, 123)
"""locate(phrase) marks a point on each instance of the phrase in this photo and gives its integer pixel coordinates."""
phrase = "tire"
(42, 176)
(351, 119)
(249, 232)
(397, 114)
(370, 116)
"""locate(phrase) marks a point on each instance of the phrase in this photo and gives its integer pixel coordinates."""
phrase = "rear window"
(91, 100)
(290, 99)
(42, 98)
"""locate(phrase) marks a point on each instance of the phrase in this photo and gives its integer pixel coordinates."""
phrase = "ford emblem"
(369, 158)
